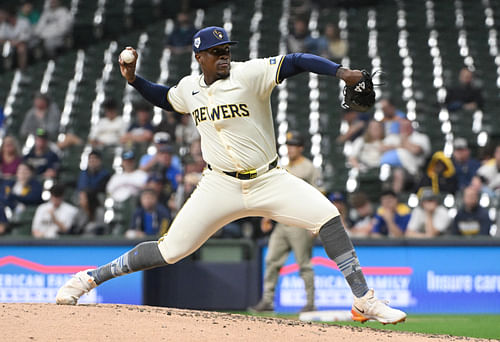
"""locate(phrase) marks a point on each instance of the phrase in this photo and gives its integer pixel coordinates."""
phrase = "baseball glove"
(360, 97)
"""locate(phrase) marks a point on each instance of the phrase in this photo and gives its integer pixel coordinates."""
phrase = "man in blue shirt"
(465, 166)
(95, 177)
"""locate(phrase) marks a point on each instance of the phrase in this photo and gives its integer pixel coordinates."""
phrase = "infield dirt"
(111, 322)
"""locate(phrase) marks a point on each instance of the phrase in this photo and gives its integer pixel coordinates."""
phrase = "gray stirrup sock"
(339, 248)
(144, 256)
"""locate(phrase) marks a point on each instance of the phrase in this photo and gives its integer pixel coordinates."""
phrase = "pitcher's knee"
(170, 254)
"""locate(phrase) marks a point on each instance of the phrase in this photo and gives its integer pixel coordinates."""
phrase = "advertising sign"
(33, 274)
(415, 279)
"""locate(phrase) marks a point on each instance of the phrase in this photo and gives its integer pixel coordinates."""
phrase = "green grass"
(481, 326)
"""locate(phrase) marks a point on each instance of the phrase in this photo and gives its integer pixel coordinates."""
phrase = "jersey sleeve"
(176, 99)
(262, 74)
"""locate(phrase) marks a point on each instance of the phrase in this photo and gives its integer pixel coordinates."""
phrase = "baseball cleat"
(370, 307)
(262, 306)
(79, 284)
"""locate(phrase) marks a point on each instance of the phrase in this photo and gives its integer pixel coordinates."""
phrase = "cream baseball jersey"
(233, 115)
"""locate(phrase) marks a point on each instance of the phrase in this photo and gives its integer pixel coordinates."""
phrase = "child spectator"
(150, 218)
(440, 175)
(392, 217)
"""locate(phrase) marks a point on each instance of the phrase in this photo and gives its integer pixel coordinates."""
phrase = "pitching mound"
(50, 322)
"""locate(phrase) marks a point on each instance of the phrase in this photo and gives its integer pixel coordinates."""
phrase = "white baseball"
(127, 56)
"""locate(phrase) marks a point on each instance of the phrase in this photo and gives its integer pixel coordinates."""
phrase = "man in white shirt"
(129, 183)
(17, 31)
(54, 217)
(109, 129)
(54, 25)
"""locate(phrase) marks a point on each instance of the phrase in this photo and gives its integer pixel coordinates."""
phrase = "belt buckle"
(251, 174)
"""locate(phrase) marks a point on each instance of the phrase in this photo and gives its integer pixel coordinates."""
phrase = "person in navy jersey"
(45, 162)
(465, 166)
(95, 177)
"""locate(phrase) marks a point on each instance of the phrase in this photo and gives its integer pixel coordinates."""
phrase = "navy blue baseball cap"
(209, 37)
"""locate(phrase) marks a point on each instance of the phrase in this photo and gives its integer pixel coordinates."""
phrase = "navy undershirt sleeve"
(296, 63)
(154, 93)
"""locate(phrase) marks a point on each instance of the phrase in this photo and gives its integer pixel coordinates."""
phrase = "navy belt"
(249, 174)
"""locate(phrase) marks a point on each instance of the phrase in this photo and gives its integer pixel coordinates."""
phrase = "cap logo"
(197, 42)
(218, 34)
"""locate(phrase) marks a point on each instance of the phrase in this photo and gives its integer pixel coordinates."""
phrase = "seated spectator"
(54, 26)
(185, 131)
(367, 149)
(17, 32)
(141, 130)
(194, 160)
(164, 167)
(392, 217)
(356, 124)
(157, 183)
(471, 219)
(129, 182)
(392, 116)
(181, 39)
(150, 218)
(338, 199)
(10, 156)
(160, 140)
(45, 161)
(405, 153)
(464, 95)
(430, 219)
(184, 190)
(90, 217)
(29, 12)
(298, 37)
(490, 172)
(95, 177)
(331, 45)
(15, 194)
(440, 175)
(55, 217)
(168, 123)
(465, 166)
(110, 128)
(43, 114)
(364, 218)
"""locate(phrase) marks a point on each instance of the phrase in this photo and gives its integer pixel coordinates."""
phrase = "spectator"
(90, 217)
(465, 166)
(55, 217)
(406, 153)
(338, 199)
(392, 116)
(164, 167)
(331, 45)
(185, 131)
(110, 128)
(150, 218)
(43, 114)
(298, 36)
(430, 219)
(471, 219)
(157, 183)
(181, 39)
(168, 123)
(367, 149)
(364, 218)
(141, 130)
(16, 31)
(197, 164)
(129, 182)
(95, 177)
(184, 190)
(29, 12)
(465, 95)
(440, 175)
(54, 27)
(490, 172)
(10, 156)
(355, 124)
(160, 140)
(392, 217)
(45, 161)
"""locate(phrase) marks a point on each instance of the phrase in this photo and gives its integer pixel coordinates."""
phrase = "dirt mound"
(110, 322)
